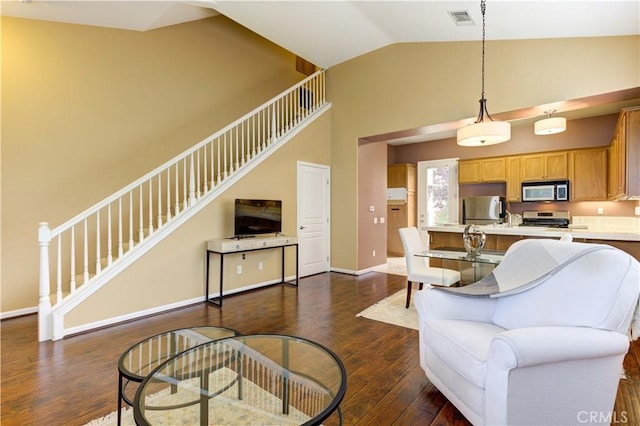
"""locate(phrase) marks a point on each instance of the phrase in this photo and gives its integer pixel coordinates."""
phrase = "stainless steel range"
(546, 219)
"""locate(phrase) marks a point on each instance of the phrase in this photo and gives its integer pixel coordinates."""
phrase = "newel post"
(44, 304)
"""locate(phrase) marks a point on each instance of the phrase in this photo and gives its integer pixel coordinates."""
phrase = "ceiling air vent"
(461, 17)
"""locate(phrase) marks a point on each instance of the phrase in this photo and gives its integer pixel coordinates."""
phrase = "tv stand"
(241, 237)
(241, 245)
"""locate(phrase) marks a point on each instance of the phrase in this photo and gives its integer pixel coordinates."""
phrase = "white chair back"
(412, 243)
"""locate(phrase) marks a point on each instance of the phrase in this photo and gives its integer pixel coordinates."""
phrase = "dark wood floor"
(73, 381)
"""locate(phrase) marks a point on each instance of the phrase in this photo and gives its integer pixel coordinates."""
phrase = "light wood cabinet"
(402, 176)
(544, 166)
(588, 174)
(624, 156)
(482, 170)
(400, 215)
(514, 194)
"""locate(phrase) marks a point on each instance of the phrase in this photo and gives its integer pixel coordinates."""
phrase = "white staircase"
(86, 252)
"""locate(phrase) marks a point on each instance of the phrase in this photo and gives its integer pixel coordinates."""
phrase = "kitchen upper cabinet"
(402, 176)
(544, 166)
(482, 170)
(514, 194)
(624, 156)
(588, 174)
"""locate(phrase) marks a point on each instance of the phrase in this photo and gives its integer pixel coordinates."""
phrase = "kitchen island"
(500, 237)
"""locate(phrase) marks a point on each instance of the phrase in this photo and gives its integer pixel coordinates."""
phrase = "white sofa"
(549, 355)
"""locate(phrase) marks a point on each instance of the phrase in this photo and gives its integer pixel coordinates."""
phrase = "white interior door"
(313, 218)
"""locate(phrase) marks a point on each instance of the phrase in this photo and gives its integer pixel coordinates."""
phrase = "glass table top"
(451, 253)
(247, 379)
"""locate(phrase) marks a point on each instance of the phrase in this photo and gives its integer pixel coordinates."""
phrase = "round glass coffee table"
(248, 379)
(143, 357)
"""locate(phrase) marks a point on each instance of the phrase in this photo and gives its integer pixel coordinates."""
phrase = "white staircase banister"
(185, 183)
(124, 191)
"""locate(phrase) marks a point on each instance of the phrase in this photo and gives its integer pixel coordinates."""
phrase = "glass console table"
(472, 268)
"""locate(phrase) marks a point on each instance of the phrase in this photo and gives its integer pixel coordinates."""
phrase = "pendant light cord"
(483, 8)
(483, 101)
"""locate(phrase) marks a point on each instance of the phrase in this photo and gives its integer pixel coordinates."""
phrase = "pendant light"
(550, 125)
(484, 132)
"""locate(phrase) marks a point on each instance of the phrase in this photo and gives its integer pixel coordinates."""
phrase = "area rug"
(391, 310)
(228, 410)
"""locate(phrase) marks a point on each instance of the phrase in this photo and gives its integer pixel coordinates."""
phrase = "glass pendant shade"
(550, 126)
(484, 133)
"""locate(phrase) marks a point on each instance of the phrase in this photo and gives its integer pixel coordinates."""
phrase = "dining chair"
(417, 270)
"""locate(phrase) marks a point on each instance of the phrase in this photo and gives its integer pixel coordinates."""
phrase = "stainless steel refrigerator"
(484, 210)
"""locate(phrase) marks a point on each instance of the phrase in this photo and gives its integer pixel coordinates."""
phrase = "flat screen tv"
(255, 217)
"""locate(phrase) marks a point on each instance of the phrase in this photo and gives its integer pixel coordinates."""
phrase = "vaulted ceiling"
(329, 32)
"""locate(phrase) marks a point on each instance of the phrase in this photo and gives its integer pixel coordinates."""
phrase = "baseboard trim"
(18, 313)
(161, 309)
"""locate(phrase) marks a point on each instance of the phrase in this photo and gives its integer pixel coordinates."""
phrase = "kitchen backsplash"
(608, 223)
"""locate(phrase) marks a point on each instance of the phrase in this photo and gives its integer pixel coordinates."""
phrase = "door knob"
(302, 227)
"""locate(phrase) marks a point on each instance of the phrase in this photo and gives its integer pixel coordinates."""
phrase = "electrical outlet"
(375, 220)
(260, 266)
(600, 210)
(637, 211)
(239, 269)
(382, 219)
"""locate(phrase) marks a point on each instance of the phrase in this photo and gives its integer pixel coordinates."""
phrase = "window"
(437, 192)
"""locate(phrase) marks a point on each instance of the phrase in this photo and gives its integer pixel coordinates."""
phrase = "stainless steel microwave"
(545, 191)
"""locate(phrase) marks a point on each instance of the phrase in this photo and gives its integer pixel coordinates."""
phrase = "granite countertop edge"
(542, 232)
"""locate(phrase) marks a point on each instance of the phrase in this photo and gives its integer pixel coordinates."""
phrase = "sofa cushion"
(463, 345)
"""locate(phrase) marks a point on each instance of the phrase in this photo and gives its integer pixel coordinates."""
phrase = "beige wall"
(174, 270)
(411, 85)
(87, 110)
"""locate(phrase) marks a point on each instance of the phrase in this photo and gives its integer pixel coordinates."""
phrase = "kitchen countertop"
(534, 231)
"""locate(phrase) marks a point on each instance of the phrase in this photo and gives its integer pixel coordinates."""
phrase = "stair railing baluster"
(192, 183)
(85, 253)
(72, 281)
(109, 236)
(120, 227)
(159, 201)
(176, 185)
(218, 175)
(205, 183)
(185, 193)
(198, 181)
(242, 141)
(140, 215)
(130, 219)
(98, 264)
(212, 181)
(168, 200)
(59, 270)
(150, 207)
